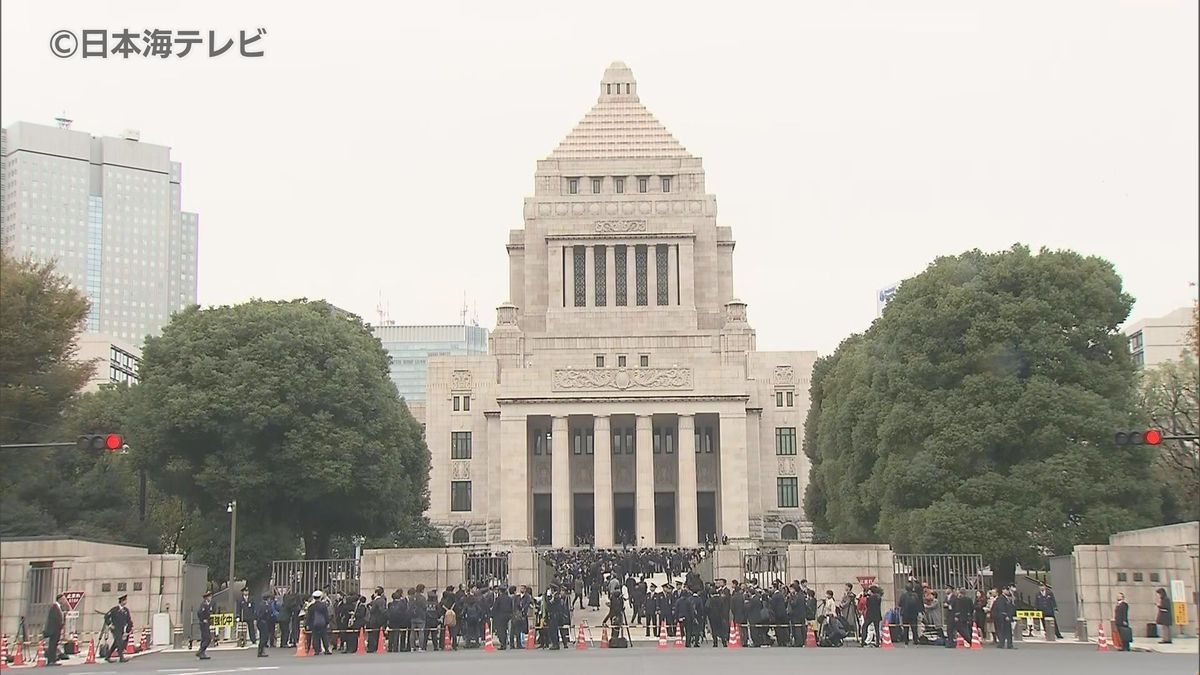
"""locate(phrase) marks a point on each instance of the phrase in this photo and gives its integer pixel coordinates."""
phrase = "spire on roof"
(619, 126)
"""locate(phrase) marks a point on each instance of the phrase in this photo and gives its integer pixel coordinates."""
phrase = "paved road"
(1026, 659)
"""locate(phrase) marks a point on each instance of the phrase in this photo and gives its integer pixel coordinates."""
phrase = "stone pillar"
(651, 276)
(687, 277)
(689, 529)
(610, 275)
(589, 274)
(630, 275)
(602, 481)
(644, 498)
(514, 479)
(560, 483)
(672, 274)
(554, 267)
(735, 511)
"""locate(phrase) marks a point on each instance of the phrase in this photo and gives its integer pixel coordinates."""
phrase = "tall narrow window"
(639, 266)
(457, 404)
(573, 185)
(661, 265)
(460, 445)
(785, 440)
(643, 183)
(620, 262)
(619, 185)
(595, 186)
(580, 276)
(460, 495)
(466, 403)
(666, 183)
(599, 360)
(789, 493)
(600, 275)
(621, 361)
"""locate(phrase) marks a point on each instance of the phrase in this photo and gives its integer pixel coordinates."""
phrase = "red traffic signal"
(1147, 437)
(101, 442)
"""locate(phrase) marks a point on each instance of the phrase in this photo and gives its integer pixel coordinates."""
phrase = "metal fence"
(765, 567)
(486, 567)
(44, 582)
(939, 570)
(306, 576)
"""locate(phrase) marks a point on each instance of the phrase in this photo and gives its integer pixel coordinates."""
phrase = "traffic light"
(1147, 437)
(101, 442)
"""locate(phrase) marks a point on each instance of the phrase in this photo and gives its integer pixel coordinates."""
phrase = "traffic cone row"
(1101, 641)
(580, 642)
(662, 635)
(976, 639)
(735, 636)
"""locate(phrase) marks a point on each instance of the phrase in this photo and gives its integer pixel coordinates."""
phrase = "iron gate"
(765, 567)
(44, 582)
(939, 570)
(487, 567)
(306, 576)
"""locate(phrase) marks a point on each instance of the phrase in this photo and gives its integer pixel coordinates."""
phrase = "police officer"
(121, 622)
(247, 615)
(263, 617)
(502, 613)
(520, 621)
(204, 616)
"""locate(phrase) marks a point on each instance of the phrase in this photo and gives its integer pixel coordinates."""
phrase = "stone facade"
(622, 398)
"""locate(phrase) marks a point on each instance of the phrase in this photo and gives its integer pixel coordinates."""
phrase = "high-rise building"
(115, 362)
(622, 399)
(410, 348)
(107, 209)
(1154, 341)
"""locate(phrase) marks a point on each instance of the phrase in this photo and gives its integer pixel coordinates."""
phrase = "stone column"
(735, 511)
(610, 275)
(514, 479)
(651, 276)
(560, 483)
(602, 481)
(689, 530)
(630, 276)
(644, 498)
(554, 267)
(589, 274)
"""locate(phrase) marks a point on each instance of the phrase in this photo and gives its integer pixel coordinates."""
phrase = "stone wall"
(395, 568)
(832, 566)
(1103, 571)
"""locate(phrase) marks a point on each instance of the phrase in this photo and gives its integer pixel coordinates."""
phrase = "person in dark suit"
(376, 618)
(737, 612)
(874, 616)
(1121, 620)
(1003, 610)
(204, 618)
(964, 614)
(120, 622)
(316, 619)
(246, 614)
(55, 620)
(263, 617)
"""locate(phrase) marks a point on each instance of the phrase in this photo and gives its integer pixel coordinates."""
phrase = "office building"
(1154, 341)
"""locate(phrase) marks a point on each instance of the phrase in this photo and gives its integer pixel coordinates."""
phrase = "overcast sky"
(384, 149)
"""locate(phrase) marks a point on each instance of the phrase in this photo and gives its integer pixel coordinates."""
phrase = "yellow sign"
(1029, 614)
(222, 620)
(1181, 618)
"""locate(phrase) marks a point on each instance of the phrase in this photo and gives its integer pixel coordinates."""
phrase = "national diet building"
(622, 400)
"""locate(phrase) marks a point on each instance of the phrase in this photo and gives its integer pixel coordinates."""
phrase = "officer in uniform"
(204, 616)
(502, 612)
(263, 616)
(520, 622)
(121, 622)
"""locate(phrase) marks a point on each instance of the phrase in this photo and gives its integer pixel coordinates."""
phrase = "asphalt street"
(646, 658)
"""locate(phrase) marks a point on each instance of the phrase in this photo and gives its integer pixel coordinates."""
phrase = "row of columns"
(678, 281)
(733, 498)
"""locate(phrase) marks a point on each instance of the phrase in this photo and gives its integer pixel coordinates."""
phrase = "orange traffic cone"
(531, 640)
(662, 635)
(976, 640)
(18, 653)
(91, 657)
(735, 636)
(382, 648)
(447, 644)
(488, 644)
(302, 644)
(604, 637)
(960, 643)
(886, 637)
(811, 641)
(41, 655)
(1101, 642)
(145, 640)
(3, 652)
(580, 643)
(679, 636)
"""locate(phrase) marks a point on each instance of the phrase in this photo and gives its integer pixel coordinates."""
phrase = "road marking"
(179, 670)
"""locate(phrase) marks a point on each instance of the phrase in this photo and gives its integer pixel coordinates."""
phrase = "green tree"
(41, 317)
(977, 414)
(286, 407)
(1169, 395)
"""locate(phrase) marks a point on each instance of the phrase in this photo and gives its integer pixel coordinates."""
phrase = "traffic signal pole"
(19, 446)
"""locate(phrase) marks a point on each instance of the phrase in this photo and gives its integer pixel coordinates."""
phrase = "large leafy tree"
(1170, 399)
(977, 414)
(286, 407)
(41, 317)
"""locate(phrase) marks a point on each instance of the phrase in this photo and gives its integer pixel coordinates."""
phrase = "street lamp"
(232, 509)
